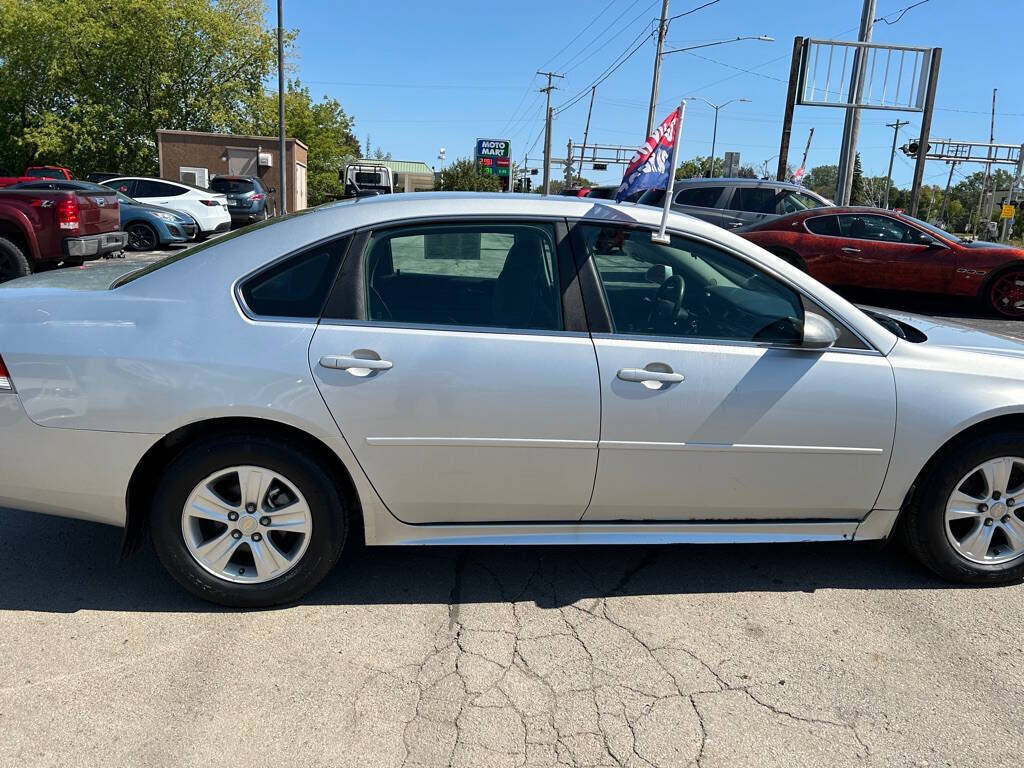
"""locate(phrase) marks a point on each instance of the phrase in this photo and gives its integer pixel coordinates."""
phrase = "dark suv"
(735, 203)
(247, 197)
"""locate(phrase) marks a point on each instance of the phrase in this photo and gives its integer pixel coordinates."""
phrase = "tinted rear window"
(823, 225)
(702, 197)
(232, 186)
(44, 173)
(753, 200)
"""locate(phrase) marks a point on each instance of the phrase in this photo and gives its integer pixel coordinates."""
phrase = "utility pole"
(807, 148)
(945, 194)
(547, 152)
(926, 129)
(787, 116)
(1012, 199)
(283, 170)
(851, 125)
(586, 131)
(662, 31)
(888, 177)
(547, 129)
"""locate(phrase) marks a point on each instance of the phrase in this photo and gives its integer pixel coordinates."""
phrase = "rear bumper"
(68, 472)
(94, 246)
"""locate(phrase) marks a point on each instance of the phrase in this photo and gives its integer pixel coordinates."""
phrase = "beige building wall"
(217, 154)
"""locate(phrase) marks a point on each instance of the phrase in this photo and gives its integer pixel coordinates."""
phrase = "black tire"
(13, 262)
(142, 237)
(328, 510)
(1001, 299)
(923, 523)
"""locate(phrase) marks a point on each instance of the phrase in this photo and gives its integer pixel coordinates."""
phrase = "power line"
(694, 10)
(902, 12)
(582, 31)
(608, 72)
(597, 48)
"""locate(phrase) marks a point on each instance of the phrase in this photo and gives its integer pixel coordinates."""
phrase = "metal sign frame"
(821, 85)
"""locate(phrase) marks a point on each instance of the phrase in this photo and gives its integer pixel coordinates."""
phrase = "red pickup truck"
(40, 229)
(34, 172)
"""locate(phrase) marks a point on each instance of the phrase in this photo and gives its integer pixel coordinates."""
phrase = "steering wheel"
(667, 303)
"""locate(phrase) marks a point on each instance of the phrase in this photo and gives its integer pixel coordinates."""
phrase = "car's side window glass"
(296, 287)
(151, 188)
(823, 225)
(871, 227)
(754, 199)
(797, 201)
(689, 289)
(124, 186)
(475, 275)
(701, 197)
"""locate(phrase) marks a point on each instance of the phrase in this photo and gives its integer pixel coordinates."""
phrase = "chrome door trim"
(704, 341)
(474, 329)
(637, 445)
(482, 442)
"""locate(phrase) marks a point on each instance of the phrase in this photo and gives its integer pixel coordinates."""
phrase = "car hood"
(942, 332)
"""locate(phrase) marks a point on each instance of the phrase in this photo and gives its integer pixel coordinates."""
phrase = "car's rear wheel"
(1005, 293)
(246, 521)
(141, 237)
(13, 262)
(967, 523)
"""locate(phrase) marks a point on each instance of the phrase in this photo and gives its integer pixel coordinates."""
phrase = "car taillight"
(5, 378)
(67, 213)
(585, 192)
(211, 203)
(257, 196)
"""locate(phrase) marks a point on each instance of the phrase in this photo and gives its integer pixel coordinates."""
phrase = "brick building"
(195, 157)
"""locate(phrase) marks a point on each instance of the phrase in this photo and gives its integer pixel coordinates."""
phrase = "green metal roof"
(399, 166)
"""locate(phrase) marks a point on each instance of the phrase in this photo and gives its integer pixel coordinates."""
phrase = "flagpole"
(660, 236)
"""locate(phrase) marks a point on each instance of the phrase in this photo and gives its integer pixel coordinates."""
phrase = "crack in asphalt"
(513, 692)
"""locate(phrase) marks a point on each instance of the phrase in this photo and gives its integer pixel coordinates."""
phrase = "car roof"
(233, 177)
(719, 181)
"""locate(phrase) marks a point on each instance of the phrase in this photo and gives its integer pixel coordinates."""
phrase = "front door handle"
(735, 224)
(357, 366)
(654, 376)
(851, 250)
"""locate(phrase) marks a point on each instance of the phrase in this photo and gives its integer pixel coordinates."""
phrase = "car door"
(711, 410)
(748, 204)
(883, 252)
(455, 359)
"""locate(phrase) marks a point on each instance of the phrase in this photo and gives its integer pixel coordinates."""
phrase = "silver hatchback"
(496, 369)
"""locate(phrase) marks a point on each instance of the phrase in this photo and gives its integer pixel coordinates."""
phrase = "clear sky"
(418, 75)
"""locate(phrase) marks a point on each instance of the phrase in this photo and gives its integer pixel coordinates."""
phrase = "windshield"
(933, 229)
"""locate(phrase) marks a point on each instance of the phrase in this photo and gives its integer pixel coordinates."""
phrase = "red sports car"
(879, 249)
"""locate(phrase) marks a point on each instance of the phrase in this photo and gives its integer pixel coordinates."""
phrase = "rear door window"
(700, 197)
(296, 287)
(823, 225)
(754, 199)
(124, 186)
(153, 188)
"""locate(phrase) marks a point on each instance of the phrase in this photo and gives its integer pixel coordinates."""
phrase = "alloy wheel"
(1006, 295)
(246, 524)
(984, 523)
(141, 238)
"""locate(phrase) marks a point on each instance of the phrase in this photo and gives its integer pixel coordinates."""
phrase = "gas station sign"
(494, 158)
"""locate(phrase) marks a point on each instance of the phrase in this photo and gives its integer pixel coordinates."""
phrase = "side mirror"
(819, 333)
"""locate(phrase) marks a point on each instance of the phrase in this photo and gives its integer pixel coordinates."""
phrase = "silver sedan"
(449, 369)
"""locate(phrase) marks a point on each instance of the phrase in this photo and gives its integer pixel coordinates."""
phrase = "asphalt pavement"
(730, 656)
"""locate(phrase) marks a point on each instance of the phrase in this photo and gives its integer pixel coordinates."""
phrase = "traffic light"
(913, 148)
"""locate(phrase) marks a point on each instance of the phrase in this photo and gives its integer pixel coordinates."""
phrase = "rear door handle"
(652, 377)
(734, 224)
(851, 250)
(357, 366)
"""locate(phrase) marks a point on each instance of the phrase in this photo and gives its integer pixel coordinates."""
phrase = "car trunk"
(97, 213)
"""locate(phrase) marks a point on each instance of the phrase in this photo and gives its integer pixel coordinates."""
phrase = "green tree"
(87, 83)
(822, 179)
(463, 174)
(322, 126)
(697, 167)
(858, 195)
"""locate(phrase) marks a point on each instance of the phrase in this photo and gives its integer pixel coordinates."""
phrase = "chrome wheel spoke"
(218, 551)
(208, 506)
(962, 505)
(977, 543)
(270, 561)
(1013, 528)
(254, 482)
(295, 517)
(997, 474)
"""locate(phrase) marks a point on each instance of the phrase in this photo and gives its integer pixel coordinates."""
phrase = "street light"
(662, 30)
(714, 135)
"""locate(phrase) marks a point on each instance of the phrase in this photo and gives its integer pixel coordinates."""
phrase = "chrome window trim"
(761, 267)
(713, 342)
(473, 329)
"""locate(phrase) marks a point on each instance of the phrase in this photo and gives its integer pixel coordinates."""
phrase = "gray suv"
(735, 203)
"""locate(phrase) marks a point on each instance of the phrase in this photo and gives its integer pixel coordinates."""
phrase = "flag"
(654, 162)
(798, 175)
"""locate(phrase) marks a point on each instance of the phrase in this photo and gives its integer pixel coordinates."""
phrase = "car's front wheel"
(142, 237)
(967, 522)
(247, 521)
